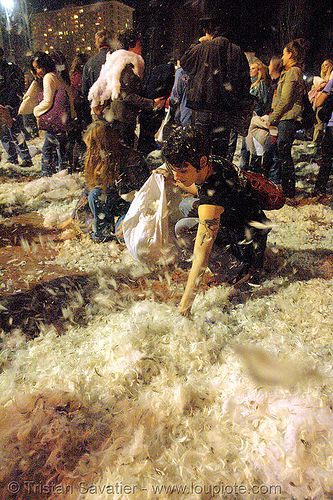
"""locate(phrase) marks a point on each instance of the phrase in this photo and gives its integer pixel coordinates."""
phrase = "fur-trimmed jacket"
(119, 85)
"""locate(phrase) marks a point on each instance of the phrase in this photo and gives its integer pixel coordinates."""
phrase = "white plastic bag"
(146, 226)
(165, 128)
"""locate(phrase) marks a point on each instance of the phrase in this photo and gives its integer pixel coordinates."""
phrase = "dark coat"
(92, 69)
(11, 85)
(218, 75)
(130, 101)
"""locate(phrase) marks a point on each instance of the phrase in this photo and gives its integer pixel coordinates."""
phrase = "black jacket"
(218, 73)
(11, 85)
(92, 69)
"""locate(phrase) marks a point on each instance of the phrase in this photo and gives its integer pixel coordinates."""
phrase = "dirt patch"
(27, 253)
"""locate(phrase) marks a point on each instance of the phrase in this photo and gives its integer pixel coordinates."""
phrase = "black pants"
(325, 162)
(214, 129)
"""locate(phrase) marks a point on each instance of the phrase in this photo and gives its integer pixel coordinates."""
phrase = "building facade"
(72, 29)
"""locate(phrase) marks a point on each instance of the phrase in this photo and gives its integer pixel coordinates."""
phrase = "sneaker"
(256, 278)
(26, 163)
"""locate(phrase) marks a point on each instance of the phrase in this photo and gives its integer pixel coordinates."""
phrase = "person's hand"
(185, 305)
(98, 110)
(205, 38)
(159, 102)
(184, 311)
(168, 177)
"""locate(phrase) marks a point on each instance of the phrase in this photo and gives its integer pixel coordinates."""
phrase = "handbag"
(57, 119)
(325, 111)
(165, 128)
(146, 225)
(265, 191)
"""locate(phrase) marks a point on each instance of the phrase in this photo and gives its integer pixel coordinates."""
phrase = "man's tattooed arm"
(211, 227)
(209, 222)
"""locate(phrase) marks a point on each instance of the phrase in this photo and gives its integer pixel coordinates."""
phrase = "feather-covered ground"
(235, 402)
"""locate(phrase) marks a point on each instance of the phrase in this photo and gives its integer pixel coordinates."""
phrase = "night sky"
(253, 24)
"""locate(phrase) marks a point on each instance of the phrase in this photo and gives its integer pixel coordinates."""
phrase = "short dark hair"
(128, 38)
(185, 145)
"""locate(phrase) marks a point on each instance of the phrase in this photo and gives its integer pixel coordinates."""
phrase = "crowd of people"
(213, 96)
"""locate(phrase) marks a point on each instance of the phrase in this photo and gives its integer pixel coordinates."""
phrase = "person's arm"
(324, 94)
(29, 99)
(49, 88)
(320, 99)
(209, 222)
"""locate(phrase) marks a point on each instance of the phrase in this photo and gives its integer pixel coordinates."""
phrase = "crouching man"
(222, 220)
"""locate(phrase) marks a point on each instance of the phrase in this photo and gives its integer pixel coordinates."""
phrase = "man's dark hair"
(185, 145)
(211, 25)
(1, 52)
(128, 38)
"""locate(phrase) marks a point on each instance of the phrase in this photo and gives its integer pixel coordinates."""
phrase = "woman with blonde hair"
(113, 173)
(319, 83)
(259, 88)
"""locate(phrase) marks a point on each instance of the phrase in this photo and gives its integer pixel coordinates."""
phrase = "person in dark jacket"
(117, 94)
(218, 86)
(159, 83)
(12, 85)
(93, 66)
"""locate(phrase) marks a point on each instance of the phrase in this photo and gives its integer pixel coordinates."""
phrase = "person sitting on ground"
(113, 173)
(222, 218)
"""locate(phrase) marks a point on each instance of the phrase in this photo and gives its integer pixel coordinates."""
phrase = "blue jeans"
(54, 153)
(104, 207)
(14, 143)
